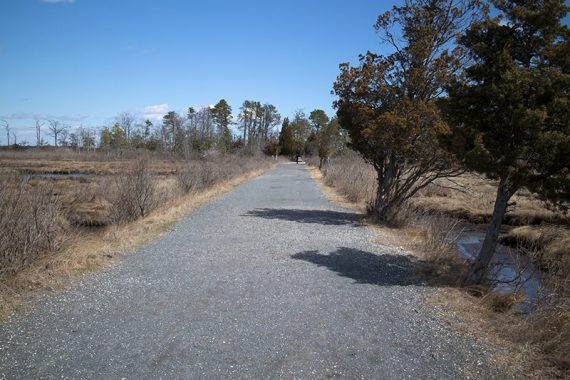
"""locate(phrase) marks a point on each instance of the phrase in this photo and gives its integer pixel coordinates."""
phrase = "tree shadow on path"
(365, 267)
(325, 217)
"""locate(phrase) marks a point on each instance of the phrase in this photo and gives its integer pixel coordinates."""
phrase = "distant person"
(297, 156)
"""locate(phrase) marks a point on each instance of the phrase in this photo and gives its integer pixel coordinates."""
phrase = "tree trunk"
(382, 203)
(479, 268)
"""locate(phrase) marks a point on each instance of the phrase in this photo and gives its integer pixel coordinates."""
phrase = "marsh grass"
(65, 209)
(532, 346)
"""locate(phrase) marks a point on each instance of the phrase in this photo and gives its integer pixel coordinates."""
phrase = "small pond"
(510, 272)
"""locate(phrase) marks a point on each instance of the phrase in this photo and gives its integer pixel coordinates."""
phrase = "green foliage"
(330, 139)
(286, 138)
(510, 115)
(118, 139)
(318, 119)
(105, 139)
(222, 114)
(174, 137)
(257, 122)
(300, 130)
(272, 148)
(387, 104)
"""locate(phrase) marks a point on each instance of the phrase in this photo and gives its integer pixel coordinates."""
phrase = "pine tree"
(510, 117)
(222, 114)
(286, 138)
(388, 103)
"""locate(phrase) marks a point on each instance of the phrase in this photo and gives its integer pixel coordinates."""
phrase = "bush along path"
(268, 281)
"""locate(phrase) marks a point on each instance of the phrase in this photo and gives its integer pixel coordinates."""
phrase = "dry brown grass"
(552, 243)
(88, 249)
(429, 237)
(65, 161)
(333, 194)
(350, 176)
(31, 223)
(537, 346)
(526, 348)
(473, 316)
(471, 197)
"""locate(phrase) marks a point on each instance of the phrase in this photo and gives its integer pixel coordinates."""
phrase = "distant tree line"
(206, 129)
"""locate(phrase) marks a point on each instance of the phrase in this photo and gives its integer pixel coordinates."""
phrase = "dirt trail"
(269, 281)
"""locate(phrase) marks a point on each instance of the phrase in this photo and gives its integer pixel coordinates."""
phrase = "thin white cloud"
(72, 117)
(21, 116)
(58, 1)
(32, 115)
(154, 112)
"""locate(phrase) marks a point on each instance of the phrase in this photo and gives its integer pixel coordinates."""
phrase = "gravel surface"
(269, 281)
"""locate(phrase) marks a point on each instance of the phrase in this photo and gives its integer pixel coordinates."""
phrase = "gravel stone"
(271, 280)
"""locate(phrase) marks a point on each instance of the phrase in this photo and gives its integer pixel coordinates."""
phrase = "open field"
(66, 161)
(55, 225)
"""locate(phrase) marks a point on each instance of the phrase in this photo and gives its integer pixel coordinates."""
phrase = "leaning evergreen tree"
(387, 103)
(510, 116)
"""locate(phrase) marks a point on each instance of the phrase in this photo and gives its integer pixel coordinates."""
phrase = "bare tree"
(126, 120)
(39, 125)
(7, 126)
(87, 136)
(55, 128)
(63, 138)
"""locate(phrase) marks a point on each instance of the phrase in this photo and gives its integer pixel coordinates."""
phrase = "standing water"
(509, 271)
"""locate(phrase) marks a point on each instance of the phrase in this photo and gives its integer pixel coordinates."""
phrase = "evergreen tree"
(510, 117)
(105, 139)
(286, 138)
(301, 130)
(222, 114)
(174, 133)
(118, 139)
(318, 119)
(388, 103)
(330, 140)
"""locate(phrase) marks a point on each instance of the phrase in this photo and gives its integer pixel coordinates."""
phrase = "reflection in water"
(510, 271)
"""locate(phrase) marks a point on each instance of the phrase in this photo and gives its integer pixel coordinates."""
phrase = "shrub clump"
(135, 194)
(196, 176)
(31, 223)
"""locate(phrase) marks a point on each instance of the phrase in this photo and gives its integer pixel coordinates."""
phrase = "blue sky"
(84, 61)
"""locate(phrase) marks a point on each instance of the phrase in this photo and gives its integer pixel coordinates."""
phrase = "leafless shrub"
(189, 178)
(441, 233)
(201, 175)
(135, 193)
(210, 174)
(351, 176)
(31, 223)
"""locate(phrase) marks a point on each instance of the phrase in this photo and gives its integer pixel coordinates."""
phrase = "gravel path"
(269, 281)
